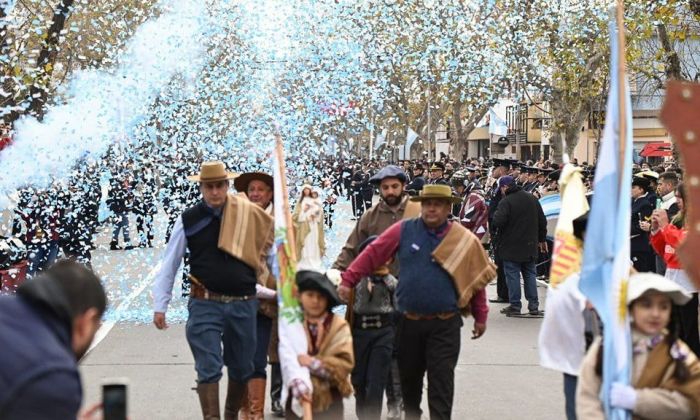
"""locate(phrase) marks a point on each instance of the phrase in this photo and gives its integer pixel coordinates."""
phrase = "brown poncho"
(336, 354)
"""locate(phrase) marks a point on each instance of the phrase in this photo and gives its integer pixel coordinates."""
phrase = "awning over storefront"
(656, 149)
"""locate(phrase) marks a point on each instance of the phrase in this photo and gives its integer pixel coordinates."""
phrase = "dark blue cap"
(506, 181)
(390, 171)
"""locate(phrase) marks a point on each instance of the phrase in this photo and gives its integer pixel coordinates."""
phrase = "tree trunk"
(566, 138)
(8, 84)
(458, 140)
(47, 58)
(673, 62)
(462, 128)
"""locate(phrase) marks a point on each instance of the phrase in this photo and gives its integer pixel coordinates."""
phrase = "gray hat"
(389, 171)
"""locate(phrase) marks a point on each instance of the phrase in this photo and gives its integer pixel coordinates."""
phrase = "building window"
(511, 119)
(522, 118)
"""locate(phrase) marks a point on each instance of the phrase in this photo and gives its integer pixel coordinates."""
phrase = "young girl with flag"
(665, 372)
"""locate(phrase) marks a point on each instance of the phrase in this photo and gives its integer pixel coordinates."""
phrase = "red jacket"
(665, 241)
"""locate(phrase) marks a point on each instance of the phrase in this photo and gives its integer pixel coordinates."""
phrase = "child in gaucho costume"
(330, 356)
(665, 372)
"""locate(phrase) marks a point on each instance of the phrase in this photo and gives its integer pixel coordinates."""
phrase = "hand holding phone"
(114, 399)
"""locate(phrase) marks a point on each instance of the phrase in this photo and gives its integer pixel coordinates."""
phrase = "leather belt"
(198, 291)
(367, 322)
(426, 317)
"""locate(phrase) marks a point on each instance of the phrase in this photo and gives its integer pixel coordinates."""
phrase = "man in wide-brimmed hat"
(226, 236)
(259, 187)
(444, 270)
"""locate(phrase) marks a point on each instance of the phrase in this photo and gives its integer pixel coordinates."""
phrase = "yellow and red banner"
(567, 252)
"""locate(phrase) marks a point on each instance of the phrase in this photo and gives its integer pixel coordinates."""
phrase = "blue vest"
(424, 287)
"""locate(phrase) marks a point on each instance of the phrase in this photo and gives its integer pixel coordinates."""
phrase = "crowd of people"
(445, 226)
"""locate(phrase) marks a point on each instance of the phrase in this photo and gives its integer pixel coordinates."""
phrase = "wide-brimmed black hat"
(641, 182)
(241, 183)
(313, 280)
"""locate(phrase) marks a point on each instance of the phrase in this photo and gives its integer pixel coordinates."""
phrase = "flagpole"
(285, 198)
(306, 405)
(621, 84)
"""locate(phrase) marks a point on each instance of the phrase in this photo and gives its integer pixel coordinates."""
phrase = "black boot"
(276, 389)
(114, 246)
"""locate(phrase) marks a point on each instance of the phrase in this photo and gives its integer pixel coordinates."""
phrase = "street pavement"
(497, 376)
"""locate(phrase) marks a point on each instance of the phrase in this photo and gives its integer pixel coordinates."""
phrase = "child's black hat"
(313, 280)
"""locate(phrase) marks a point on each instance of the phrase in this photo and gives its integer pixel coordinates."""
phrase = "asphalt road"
(497, 376)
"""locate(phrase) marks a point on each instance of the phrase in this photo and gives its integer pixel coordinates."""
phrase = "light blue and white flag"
(606, 256)
(497, 118)
(411, 136)
(380, 140)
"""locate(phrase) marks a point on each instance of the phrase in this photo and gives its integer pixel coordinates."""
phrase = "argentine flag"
(606, 256)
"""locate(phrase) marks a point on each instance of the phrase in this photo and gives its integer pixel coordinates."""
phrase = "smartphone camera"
(114, 399)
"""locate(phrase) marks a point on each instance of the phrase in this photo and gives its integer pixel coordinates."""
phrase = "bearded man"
(393, 206)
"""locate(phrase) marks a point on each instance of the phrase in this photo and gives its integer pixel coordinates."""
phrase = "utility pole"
(430, 141)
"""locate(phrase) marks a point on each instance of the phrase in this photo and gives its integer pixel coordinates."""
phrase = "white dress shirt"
(171, 261)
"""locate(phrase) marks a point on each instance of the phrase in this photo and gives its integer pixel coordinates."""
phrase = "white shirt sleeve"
(174, 253)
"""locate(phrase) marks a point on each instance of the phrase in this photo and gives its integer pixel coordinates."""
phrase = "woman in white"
(308, 224)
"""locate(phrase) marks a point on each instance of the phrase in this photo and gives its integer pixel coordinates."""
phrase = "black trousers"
(358, 204)
(275, 382)
(501, 285)
(367, 198)
(432, 346)
(687, 316)
(393, 385)
(373, 349)
(144, 225)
